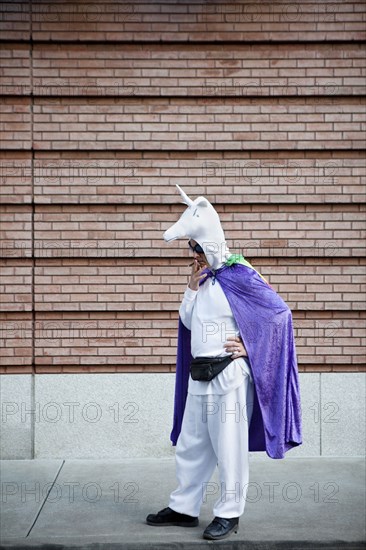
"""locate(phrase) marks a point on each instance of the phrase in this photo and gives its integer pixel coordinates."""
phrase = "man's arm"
(186, 307)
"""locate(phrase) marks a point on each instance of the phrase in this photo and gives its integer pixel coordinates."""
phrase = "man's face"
(199, 256)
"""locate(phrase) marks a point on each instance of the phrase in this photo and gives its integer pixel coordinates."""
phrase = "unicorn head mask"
(201, 222)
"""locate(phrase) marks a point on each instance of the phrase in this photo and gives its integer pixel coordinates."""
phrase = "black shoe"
(220, 528)
(167, 516)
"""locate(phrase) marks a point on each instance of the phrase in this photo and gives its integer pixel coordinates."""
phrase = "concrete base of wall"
(130, 415)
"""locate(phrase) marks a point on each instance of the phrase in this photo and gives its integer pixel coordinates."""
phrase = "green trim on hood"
(239, 259)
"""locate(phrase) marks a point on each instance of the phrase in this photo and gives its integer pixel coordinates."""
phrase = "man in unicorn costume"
(228, 309)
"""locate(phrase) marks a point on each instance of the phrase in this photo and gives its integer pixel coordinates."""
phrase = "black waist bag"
(206, 368)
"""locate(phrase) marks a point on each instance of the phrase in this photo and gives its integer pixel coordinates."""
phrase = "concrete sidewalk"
(102, 504)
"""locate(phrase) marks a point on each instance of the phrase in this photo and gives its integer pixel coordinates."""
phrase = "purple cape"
(265, 324)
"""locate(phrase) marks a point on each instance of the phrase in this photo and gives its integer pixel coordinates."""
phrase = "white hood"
(201, 222)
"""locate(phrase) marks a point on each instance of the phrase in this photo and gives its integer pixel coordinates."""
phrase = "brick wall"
(106, 105)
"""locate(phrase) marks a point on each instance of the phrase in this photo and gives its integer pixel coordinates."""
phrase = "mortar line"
(193, 43)
(320, 415)
(33, 416)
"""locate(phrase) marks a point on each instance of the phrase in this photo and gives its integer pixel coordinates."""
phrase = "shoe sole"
(174, 524)
(211, 537)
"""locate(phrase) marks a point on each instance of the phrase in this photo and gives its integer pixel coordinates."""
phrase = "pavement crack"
(45, 499)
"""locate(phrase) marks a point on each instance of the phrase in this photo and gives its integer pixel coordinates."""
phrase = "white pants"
(214, 431)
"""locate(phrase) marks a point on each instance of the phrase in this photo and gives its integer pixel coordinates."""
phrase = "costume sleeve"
(186, 307)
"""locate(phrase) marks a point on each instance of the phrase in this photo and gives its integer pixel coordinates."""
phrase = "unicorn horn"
(185, 197)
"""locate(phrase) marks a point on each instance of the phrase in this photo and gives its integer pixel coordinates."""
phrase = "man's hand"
(236, 346)
(196, 275)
